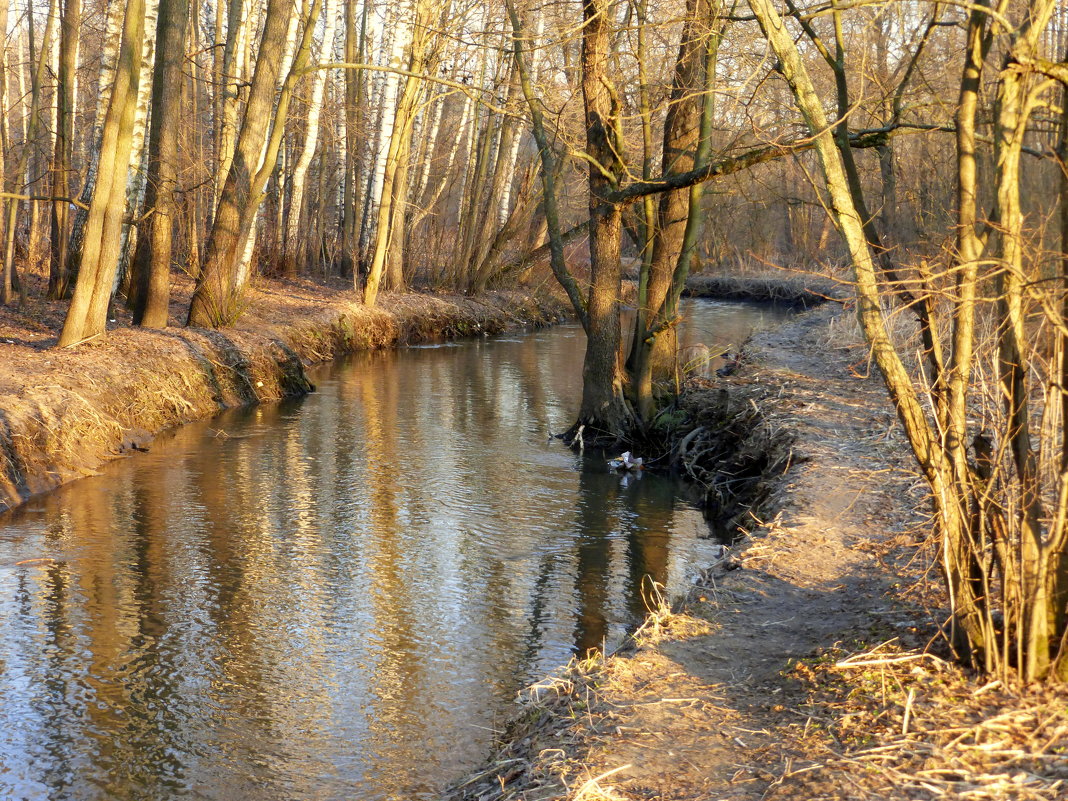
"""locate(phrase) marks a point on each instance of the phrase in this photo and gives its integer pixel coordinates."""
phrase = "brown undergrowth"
(896, 723)
(732, 451)
(63, 412)
(778, 286)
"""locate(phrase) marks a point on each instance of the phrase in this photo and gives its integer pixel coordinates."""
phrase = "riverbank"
(802, 290)
(806, 663)
(65, 412)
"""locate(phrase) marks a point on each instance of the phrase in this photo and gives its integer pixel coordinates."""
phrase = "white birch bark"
(505, 204)
(244, 270)
(233, 75)
(311, 139)
(430, 147)
(104, 84)
(135, 181)
(461, 134)
(401, 38)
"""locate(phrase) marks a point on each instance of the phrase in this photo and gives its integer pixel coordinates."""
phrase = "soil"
(63, 412)
(803, 665)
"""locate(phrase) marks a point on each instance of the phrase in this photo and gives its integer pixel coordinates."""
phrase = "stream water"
(330, 597)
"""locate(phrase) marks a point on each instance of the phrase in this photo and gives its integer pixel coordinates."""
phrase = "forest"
(162, 159)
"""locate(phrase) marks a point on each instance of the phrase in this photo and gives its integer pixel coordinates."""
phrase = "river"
(330, 597)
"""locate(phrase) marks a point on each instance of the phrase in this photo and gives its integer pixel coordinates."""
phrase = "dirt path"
(694, 711)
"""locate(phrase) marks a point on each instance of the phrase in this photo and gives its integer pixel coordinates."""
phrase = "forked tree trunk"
(87, 315)
(393, 193)
(655, 330)
(105, 81)
(216, 301)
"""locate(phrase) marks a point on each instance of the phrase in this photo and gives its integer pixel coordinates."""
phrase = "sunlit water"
(332, 597)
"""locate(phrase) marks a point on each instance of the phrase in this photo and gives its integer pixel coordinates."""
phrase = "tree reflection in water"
(338, 597)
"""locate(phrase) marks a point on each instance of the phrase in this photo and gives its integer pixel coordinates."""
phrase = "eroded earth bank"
(64, 412)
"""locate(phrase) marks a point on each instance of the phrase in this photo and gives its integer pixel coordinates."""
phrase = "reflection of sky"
(338, 598)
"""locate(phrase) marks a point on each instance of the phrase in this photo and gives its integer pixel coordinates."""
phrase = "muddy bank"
(63, 413)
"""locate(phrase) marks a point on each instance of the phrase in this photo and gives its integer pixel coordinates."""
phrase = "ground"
(807, 663)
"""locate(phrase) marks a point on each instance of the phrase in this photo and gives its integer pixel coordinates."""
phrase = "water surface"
(330, 597)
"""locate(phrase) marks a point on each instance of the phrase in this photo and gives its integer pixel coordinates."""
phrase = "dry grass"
(890, 723)
(535, 757)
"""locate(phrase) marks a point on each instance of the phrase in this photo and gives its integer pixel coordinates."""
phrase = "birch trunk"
(236, 26)
(311, 141)
(392, 192)
(135, 184)
(400, 38)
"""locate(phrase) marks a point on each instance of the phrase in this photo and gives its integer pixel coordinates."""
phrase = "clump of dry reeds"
(890, 723)
(534, 760)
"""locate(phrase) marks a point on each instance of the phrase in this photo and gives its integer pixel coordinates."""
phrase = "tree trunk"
(87, 315)
(64, 145)
(393, 190)
(604, 409)
(216, 301)
(5, 143)
(353, 82)
(105, 82)
(953, 523)
(655, 342)
(311, 141)
(150, 284)
(135, 185)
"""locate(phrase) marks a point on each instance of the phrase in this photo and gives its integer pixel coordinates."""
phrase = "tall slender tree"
(150, 280)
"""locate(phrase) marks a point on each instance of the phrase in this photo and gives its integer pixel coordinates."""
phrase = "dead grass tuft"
(535, 757)
(890, 723)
